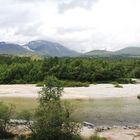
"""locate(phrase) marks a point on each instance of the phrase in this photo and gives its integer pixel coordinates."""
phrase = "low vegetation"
(68, 84)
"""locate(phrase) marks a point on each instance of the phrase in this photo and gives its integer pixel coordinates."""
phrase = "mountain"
(126, 52)
(13, 49)
(131, 51)
(98, 53)
(38, 47)
(47, 48)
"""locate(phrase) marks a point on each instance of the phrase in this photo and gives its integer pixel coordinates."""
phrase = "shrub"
(52, 118)
(117, 85)
(125, 81)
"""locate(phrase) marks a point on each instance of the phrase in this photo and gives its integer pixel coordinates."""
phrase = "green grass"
(20, 103)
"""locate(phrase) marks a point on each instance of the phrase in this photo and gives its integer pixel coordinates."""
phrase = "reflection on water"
(124, 111)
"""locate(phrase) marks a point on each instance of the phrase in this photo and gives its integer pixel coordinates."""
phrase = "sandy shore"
(92, 92)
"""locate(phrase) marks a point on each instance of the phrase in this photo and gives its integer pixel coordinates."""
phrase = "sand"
(93, 92)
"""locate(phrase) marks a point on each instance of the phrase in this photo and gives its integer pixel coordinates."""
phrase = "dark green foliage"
(137, 72)
(138, 97)
(80, 70)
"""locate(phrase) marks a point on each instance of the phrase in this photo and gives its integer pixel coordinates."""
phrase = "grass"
(120, 111)
(20, 103)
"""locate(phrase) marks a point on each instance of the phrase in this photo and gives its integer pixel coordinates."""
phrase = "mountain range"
(39, 47)
(128, 51)
(47, 48)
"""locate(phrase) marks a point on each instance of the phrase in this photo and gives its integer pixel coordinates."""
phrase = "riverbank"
(103, 105)
(99, 91)
(113, 133)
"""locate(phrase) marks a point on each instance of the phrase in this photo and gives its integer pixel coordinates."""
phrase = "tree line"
(18, 70)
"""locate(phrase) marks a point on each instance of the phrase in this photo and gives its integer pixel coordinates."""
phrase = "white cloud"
(79, 25)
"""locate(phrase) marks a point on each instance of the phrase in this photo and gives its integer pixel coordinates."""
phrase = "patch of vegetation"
(126, 81)
(67, 84)
(117, 85)
(138, 97)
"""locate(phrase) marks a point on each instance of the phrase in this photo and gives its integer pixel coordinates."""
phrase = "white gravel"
(93, 92)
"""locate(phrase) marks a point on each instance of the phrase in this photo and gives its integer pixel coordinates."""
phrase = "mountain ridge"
(129, 51)
(52, 49)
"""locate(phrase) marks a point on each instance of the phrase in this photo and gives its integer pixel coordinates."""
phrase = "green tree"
(52, 116)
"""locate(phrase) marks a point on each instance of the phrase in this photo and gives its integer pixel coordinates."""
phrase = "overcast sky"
(82, 25)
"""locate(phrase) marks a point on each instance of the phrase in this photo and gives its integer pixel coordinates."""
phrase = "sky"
(81, 25)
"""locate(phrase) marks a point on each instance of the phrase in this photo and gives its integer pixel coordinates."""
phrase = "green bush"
(52, 118)
(117, 85)
(74, 84)
(125, 81)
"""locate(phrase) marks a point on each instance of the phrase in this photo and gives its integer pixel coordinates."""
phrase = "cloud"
(70, 4)
(77, 24)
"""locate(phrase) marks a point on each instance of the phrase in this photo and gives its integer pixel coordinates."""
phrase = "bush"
(138, 97)
(117, 85)
(74, 84)
(125, 81)
(52, 118)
